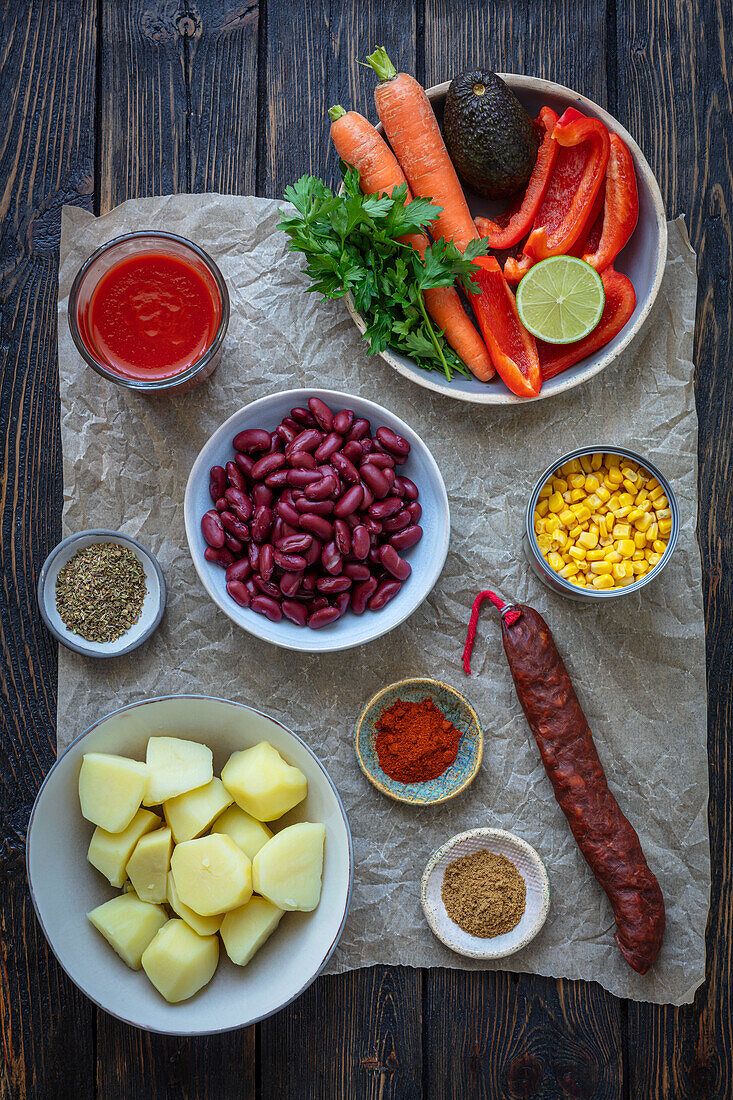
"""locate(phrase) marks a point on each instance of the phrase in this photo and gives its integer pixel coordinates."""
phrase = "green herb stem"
(380, 62)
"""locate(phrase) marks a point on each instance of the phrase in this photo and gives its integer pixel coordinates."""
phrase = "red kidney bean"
(343, 420)
(261, 495)
(316, 525)
(291, 563)
(288, 432)
(238, 593)
(234, 526)
(367, 445)
(219, 556)
(240, 503)
(295, 611)
(384, 462)
(341, 603)
(270, 608)
(267, 561)
(368, 496)
(301, 460)
(239, 570)
(234, 545)
(373, 526)
(386, 591)
(358, 429)
(390, 476)
(222, 504)
(313, 553)
(308, 584)
(373, 556)
(317, 603)
(331, 585)
(342, 533)
(299, 479)
(323, 489)
(409, 487)
(322, 413)
(217, 482)
(315, 507)
(212, 529)
(235, 477)
(352, 520)
(267, 588)
(415, 511)
(276, 444)
(251, 440)
(331, 558)
(303, 416)
(396, 523)
(251, 587)
(331, 443)
(294, 544)
(352, 451)
(290, 583)
(253, 555)
(323, 617)
(267, 465)
(277, 529)
(288, 513)
(361, 594)
(352, 499)
(261, 523)
(383, 509)
(245, 463)
(394, 564)
(360, 541)
(345, 468)
(375, 479)
(308, 440)
(357, 571)
(278, 480)
(394, 443)
(406, 538)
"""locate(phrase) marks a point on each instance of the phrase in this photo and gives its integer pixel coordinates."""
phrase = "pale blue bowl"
(457, 710)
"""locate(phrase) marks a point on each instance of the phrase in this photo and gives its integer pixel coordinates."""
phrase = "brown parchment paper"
(638, 663)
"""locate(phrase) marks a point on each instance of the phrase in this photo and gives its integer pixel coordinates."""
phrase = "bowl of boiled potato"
(190, 863)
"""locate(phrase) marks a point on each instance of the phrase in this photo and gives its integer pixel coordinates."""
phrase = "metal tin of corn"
(550, 576)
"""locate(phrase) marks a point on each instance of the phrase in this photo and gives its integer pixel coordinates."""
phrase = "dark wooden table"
(102, 100)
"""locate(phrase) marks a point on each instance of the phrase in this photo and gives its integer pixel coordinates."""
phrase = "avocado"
(491, 139)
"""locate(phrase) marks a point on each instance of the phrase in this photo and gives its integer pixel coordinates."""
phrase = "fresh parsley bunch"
(351, 245)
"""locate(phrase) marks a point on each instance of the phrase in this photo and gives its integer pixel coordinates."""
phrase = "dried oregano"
(100, 592)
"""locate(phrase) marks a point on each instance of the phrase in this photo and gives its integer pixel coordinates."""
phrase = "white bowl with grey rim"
(153, 604)
(528, 864)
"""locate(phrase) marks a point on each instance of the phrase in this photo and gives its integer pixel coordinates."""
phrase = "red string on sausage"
(511, 617)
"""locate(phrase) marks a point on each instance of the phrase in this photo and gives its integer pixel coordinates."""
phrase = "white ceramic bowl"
(530, 867)
(153, 604)
(643, 259)
(64, 887)
(426, 559)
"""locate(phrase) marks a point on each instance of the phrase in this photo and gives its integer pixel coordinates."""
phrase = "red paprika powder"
(415, 741)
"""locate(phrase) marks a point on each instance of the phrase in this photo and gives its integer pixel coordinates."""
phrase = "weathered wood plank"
(46, 159)
(676, 98)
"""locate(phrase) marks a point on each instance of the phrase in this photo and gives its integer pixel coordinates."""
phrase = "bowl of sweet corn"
(600, 523)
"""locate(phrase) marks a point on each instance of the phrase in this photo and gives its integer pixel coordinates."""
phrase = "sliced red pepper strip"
(621, 208)
(620, 304)
(577, 178)
(516, 268)
(520, 222)
(513, 350)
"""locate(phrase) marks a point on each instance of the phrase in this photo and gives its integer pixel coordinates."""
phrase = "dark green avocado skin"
(491, 139)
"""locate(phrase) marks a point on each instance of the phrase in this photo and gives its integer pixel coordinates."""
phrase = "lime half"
(561, 300)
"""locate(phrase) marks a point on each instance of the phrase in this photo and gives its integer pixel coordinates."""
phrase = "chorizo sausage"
(604, 835)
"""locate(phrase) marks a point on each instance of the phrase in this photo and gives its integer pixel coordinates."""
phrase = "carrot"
(359, 144)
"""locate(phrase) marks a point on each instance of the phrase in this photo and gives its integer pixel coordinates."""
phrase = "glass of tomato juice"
(149, 311)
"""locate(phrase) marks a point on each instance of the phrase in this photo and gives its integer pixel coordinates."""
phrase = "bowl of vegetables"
(164, 812)
(563, 275)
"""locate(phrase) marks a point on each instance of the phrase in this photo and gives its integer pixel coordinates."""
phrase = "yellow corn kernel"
(588, 540)
(586, 464)
(634, 514)
(579, 580)
(596, 461)
(659, 547)
(560, 539)
(652, 483)
(653, 533)
(603, 582)
(621, 513)
(613, 502)
(544, 542)
(644, 522)
(663, 513)
(656, 493)
(629, 472)
(571, 467)
(595, 555)
(566, 496)
(638, 556)
(555, 560)
(560, 485)
(626, 500)
(612, 555)
(552, 524)
(594, 502)
(545, 491)
(575, 532)
(612, 460)
(566, 517)
(622, 569)
(639, 540)
(621, 582)
(641, 496)
(640, 568)
(556, 503)
(582, 512)
(665, 526)
(602, 568)
(615, 476)
(603, 494)
(576, 481)
(542, 508)
(603, 527)
(569, 570)
(592, 483)
(654, 559)
(626, 547)
(577, 552)
(576, 495)
(621, 531)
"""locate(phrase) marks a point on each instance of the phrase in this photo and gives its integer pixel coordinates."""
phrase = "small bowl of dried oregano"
(485, 893)
(101, 593)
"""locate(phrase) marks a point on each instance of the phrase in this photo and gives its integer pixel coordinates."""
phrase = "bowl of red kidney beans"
(316, 520)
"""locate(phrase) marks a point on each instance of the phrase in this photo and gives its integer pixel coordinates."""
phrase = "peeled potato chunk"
(190, 814)
(244, 930)
(288, 870)
(262, 783)
(175, 766)
(111, 789)
(128, 924)
(211, 874)
(148, 866)
(179, 962)
(205, 926)
(246, 832)
(110, 852)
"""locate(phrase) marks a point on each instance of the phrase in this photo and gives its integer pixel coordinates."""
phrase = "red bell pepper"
(505, 234)
(620, 304)
(621, 208)
(591, 235)
(516, 267)
(576, 180)
(513, 350)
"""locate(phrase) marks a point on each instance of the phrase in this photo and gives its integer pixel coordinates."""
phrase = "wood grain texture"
(676, 98)
(47, 60)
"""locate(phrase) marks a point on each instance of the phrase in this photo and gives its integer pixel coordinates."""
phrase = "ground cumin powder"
(484, 893)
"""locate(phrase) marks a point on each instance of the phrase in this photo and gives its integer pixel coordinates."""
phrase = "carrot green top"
(380, 62)
(337, 111)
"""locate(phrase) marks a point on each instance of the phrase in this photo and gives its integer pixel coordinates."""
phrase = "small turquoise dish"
(457, 710)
